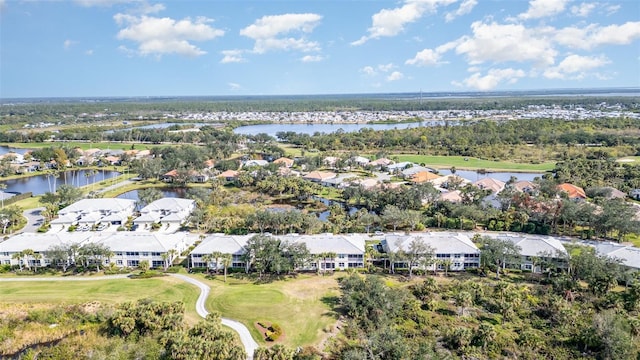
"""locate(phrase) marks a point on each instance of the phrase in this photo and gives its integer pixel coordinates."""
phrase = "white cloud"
(612, 9)
(88, 52)
(426, 57)
(583, 9)
(232, 56)
(158, 36)
(395, 76)
(543, 8)
(234, 86)
(3, 4)
(269, 32)
(493, 78)
(311, 58)
(501, 43)
(391, 22)
(575, 67)
(465, 8)
(386, 67)
(69, 43)
(368, 70)
(593, 35)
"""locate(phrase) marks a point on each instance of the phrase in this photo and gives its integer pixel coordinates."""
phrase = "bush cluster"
(274, 332)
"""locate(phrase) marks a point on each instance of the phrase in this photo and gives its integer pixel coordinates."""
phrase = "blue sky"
(148, 48)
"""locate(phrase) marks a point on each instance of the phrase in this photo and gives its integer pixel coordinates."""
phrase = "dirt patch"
(264, 327)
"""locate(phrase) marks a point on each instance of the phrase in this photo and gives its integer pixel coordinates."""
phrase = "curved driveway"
(249, 344)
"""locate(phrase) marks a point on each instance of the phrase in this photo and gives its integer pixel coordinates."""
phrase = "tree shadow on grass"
(333, 302)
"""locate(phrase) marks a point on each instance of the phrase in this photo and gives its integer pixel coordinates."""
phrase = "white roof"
(41, 242)
(534, 245)
(321, 243)
(226, 244)
(441, 242)
(64, 220)
(148, 217)
(91, 205)
(629, 255)
(132, 241)
(169, 204)
(400, 165)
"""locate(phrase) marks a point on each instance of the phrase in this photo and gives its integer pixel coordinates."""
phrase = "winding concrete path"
(249, 344)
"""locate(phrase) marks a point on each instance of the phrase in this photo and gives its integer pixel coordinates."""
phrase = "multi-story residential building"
(455, 250)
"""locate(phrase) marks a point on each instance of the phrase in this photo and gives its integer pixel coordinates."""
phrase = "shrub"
(173, 269)
(274, 333)
(5, 269)
(147, 275)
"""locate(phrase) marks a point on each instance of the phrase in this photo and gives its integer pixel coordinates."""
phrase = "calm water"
(6, 149)
(272, 129)
(41, 184)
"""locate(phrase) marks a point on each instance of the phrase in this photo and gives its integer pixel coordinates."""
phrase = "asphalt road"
(245, 336)
(34, 220)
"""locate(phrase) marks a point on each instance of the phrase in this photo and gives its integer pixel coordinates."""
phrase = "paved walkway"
(249, 344)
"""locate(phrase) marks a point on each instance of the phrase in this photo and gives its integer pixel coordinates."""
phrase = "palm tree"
(172, 255)
(37, 257)
(324, 256)
(165, 260)
(18, 256)
(26, 253)
(226, 262)
(463, 299)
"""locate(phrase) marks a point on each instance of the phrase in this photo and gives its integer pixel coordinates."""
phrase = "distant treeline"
(137, 107)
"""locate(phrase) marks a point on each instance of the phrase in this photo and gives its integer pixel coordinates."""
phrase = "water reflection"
(41, 184)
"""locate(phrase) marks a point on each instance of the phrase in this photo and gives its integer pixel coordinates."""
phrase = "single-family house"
(451, 196)
(573, 192)
(170, 176)
(455, 250)
(614, 193)
(360, 160)
(330, 161)
(448, 181)
(525, 186)
(250, 163)
(398, 167)
(494, 185)
(229, 175)
(380, 163)
(423, 176)
(319, 176)
(286, 162)
(410, 171)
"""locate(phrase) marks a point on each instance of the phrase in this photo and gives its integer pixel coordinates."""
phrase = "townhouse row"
(454, 250)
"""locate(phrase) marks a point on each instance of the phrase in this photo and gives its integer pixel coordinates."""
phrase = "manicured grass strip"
(462, 163)
(105, 291)
(300, 306)
(632, 160)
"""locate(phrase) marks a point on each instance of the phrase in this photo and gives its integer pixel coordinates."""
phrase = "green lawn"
(633, 160)
(302, 306)
(468, 163)
(104, 291)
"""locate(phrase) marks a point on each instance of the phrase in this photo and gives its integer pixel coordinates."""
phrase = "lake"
(272, 129)
(41, 184)
(6, 149)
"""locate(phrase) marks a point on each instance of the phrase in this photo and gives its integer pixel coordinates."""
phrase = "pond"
(7, 149)
(41, 184)
(272, 129)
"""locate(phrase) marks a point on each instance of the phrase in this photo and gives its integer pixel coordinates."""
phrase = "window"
(119, 262)
(7, 262)
(145, 254)
(341, 256)
(5, 254)
(457, 256)
(119, 253)
(457, 265)
(341, 265)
